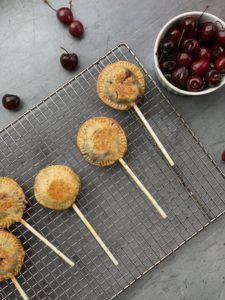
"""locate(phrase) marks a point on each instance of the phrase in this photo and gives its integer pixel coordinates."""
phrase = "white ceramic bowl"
(162, 33)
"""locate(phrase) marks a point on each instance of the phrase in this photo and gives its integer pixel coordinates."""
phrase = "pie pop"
(121, 85)
(102, 142)
(12, 206)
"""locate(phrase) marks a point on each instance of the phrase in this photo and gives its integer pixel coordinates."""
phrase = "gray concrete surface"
(29, 55)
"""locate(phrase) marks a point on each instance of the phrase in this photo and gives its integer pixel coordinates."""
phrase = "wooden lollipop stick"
(44, 240)
(154, 136)
(19, 289)
(144, 190)
(94, 233)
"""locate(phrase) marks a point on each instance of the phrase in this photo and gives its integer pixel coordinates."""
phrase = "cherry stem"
(46, 2)
(220, 24)
(64, 50)
(70, 3)
(207, 6)
(182, 34)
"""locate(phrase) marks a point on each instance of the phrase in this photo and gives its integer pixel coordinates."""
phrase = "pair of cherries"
(65, 16)
(68, 60)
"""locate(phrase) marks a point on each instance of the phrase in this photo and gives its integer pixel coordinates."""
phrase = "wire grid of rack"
(192, 193)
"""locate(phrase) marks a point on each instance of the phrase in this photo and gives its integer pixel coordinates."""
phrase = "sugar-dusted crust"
(12, 202)
(120, 85)
(56, 187)
(101, 141)
(11, 255)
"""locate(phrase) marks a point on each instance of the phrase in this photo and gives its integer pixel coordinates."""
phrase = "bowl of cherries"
(189, 54)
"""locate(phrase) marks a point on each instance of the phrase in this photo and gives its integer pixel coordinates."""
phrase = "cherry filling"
(123, 86)
(128, 74)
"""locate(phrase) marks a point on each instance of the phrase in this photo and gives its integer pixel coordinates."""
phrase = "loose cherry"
(10, 102)
(195, 83)
(168, 65)
(220, 63)
(213, 77)
(204, 52)
(207, 31)
(76, 29)
(68, 60)
(216, 50)
(64, 14)
(179, 76)
(200, 66)
(184, 59)
(190, 45)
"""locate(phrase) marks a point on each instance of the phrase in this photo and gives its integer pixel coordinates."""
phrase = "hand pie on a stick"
(12, 206)
(121, 85)
(102, 142)
(56, 187)
(11, 259)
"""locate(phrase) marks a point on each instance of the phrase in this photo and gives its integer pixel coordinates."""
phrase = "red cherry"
(216, 50)
(223, 156)
(179, 76)
(168, 65)
(195, 83)
(189, 23)
(200, 66)
(68, 60)
(184, 59)
(204, 52)
(220, 63)
(166, 47)
(213, 77)
(220, 36)
(76, 29)
(10, 102)
(190, 45)
(207, 31)
(175, 35)
(64, 14)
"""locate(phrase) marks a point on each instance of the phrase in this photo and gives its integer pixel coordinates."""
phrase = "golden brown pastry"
(120, 85)
(11, 255)
(56, 187)
(101, 141)
(12, 202)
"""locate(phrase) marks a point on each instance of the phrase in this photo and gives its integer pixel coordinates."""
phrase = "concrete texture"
(29, 50)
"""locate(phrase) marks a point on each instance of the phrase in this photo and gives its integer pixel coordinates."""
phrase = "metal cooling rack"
(192, 194)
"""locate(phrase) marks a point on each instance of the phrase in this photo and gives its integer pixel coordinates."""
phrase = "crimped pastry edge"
(99, 84)
(81, 133)
(19, 250)
(17, 187)
(39, 197)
